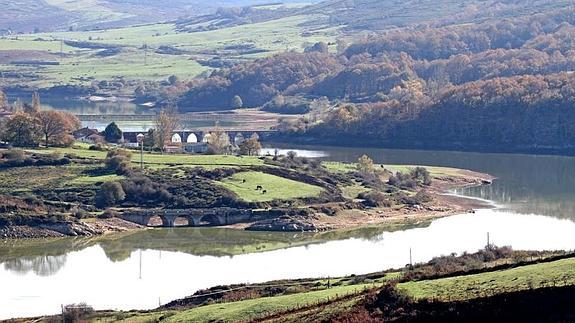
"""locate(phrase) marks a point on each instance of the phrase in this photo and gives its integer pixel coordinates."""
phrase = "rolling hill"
(58, 15)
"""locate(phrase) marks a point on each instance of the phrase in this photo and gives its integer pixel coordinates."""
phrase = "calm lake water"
(536, 210)
(86, 107)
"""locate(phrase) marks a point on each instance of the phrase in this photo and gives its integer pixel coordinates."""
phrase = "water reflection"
(78, 106)
(47, 257)
(40, 265)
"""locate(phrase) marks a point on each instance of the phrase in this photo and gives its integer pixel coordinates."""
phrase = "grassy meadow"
(81, 65)
(244, 185)
(321, 303)
(492, 283)
(252, 309)
(433, 170)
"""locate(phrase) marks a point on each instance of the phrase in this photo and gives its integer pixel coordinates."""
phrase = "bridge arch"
(239, 139)
(210, 220)
(181, 221)
(176, 138)
(192, 138)
(155, 221)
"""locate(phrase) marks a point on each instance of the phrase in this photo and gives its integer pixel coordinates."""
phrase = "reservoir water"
(535, 196)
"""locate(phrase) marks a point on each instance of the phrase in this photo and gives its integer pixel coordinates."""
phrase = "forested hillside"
(496, 84)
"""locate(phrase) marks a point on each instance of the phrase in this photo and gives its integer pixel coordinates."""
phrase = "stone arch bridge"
(195, 217)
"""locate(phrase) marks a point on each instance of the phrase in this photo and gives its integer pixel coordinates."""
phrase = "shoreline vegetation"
(73, 191)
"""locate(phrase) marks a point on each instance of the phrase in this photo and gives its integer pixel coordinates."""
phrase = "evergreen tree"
(112, 133)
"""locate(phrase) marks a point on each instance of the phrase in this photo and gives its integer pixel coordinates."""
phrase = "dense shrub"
(119, 161)
(453, 263)
(108, 214)
(110, 194)
(76, 312)
(97, 147)
(421, 197)
(376, 199)
(14, 155)
(17, 158)
(142, 191)
(418, 176)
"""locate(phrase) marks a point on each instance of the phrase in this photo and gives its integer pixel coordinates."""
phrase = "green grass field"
(285, 307)
(82, 66)
(433, 170)
(490, 283)
(252, 309)
(277, 188)
(89, 180)
(28, 179)
(156, 160)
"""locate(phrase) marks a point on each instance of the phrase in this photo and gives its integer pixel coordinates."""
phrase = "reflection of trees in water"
(46, 258)
(563, 209)
(41, 265)
(43, 257)
(222, 242)
(501, 194)
(560, 204)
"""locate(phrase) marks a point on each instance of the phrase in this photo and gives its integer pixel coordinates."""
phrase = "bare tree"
(251, 146)
(3, 101)
(56, 126)
(35, 103)
(166, 122)
(219, 142)
(365, 165)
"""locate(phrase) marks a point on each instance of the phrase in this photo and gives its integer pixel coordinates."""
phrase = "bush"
(119, 161)
(110, 193)
(108, 214)
(76, 312)
(97, 147)
(80, 214)
(419, 198)
(445, 265)
(418, 176)
(14, 155)
(421, 175)
(376, 199)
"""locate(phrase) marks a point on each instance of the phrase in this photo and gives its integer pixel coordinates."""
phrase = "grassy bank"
(328, 299)
(557, 273)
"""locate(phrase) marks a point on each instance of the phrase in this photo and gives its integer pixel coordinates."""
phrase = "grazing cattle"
(259, 187)
(244, 180)
(264, 192)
